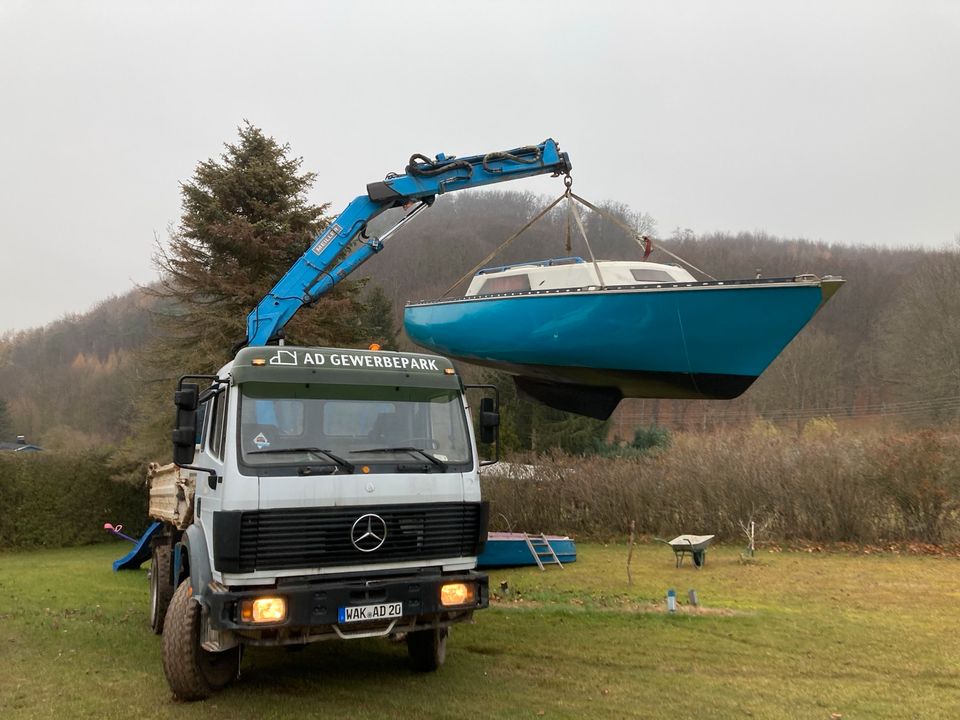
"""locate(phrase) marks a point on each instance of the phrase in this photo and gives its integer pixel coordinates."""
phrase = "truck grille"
(290, 538)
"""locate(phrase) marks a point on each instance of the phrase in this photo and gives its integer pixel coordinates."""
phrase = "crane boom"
(315, 272)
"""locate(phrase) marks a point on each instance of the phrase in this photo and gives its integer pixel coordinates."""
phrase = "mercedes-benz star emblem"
(368, 532)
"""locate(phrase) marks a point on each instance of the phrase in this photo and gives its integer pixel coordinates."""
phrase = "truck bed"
(171, 494)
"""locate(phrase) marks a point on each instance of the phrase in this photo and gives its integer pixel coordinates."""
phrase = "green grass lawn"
(796, 636)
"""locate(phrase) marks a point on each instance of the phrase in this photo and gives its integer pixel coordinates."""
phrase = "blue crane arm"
(315, 272)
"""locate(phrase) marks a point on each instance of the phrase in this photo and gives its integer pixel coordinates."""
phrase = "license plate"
(361, 613)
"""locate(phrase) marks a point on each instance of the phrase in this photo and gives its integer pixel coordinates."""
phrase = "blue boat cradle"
(141, 550)
(583, 349)
(508, 549)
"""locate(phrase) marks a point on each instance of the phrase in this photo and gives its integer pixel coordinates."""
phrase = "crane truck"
(326, 493)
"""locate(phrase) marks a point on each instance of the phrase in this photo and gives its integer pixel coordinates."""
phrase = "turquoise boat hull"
(584, 350)
(510, 550)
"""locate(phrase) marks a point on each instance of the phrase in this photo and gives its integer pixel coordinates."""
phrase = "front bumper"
(315, 605)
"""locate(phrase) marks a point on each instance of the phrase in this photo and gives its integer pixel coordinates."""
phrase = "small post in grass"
(633, 525)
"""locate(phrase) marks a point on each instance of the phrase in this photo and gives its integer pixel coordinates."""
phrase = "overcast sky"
(835, 121)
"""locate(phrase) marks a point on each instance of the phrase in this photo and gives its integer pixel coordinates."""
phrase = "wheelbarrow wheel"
(699, 558)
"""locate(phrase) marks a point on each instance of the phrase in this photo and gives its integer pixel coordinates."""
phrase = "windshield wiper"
(345, 464)
(432, 458)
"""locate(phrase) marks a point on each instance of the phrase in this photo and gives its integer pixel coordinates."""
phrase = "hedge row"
(824, 487)
(820, 487)
(54, 499)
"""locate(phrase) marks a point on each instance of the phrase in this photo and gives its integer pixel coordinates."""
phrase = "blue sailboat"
(580, 336)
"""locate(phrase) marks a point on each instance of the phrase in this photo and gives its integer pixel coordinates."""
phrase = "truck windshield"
(347, 425)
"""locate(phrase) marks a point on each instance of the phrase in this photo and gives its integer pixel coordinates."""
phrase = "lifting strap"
(640, 240)
(583, 231)
(572, 212)
(472, 271)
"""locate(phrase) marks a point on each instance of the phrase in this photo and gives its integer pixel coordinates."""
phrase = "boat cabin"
(573, 272)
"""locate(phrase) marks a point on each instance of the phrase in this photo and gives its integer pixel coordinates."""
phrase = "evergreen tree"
(376, 320)
(246, 220)
(527, 424)
(6, 424)
(575, 434)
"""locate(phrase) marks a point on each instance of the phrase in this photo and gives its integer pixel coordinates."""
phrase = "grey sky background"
(834, 121)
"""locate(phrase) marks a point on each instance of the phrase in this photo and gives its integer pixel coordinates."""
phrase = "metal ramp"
(542, 551)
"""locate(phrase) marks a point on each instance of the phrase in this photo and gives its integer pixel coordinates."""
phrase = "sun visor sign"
(378, 361)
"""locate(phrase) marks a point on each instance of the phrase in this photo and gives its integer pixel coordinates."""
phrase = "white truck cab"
(333, 494)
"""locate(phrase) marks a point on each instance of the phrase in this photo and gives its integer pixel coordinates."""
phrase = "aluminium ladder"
(542, 551)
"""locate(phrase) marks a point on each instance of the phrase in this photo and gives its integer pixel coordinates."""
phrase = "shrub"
(53, 499)
(919, 472)
(645, 441)
(821, 486)
(820, 427)
(655, 437)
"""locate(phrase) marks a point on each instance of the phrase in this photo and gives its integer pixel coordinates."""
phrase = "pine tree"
(245, 221)
(376, 322)
(527, 424)
(6, 423)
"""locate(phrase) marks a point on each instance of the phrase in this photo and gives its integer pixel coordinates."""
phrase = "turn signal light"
(264, 610)
(374, 346)
(453, 594)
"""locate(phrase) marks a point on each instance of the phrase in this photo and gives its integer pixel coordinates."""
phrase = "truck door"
(212, 442)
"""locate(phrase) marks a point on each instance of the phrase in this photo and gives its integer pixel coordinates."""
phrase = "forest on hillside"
(887, 346)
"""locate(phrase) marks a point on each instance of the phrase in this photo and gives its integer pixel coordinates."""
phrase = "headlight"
(263, 610)
(453, 594)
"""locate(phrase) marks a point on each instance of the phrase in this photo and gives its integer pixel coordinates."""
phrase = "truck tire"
(427, 648)
(192, 672)
(161, 586)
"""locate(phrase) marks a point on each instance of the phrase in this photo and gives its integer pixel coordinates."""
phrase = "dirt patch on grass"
(628, 607)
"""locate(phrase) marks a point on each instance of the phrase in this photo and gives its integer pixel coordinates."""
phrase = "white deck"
(521, 278)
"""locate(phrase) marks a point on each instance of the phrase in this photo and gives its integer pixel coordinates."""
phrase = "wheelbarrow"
(693, 545)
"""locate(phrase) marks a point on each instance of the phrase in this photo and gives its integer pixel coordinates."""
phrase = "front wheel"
(427, 648)
(192, 672)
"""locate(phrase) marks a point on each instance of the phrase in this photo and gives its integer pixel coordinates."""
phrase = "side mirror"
(489, 420)
(187, 397)
(184, 441)
(185, 433)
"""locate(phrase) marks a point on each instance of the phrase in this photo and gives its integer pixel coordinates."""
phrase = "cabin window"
(218, 425)
(505, 284)
(651, 275)
(281, 422)
(203, 428)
